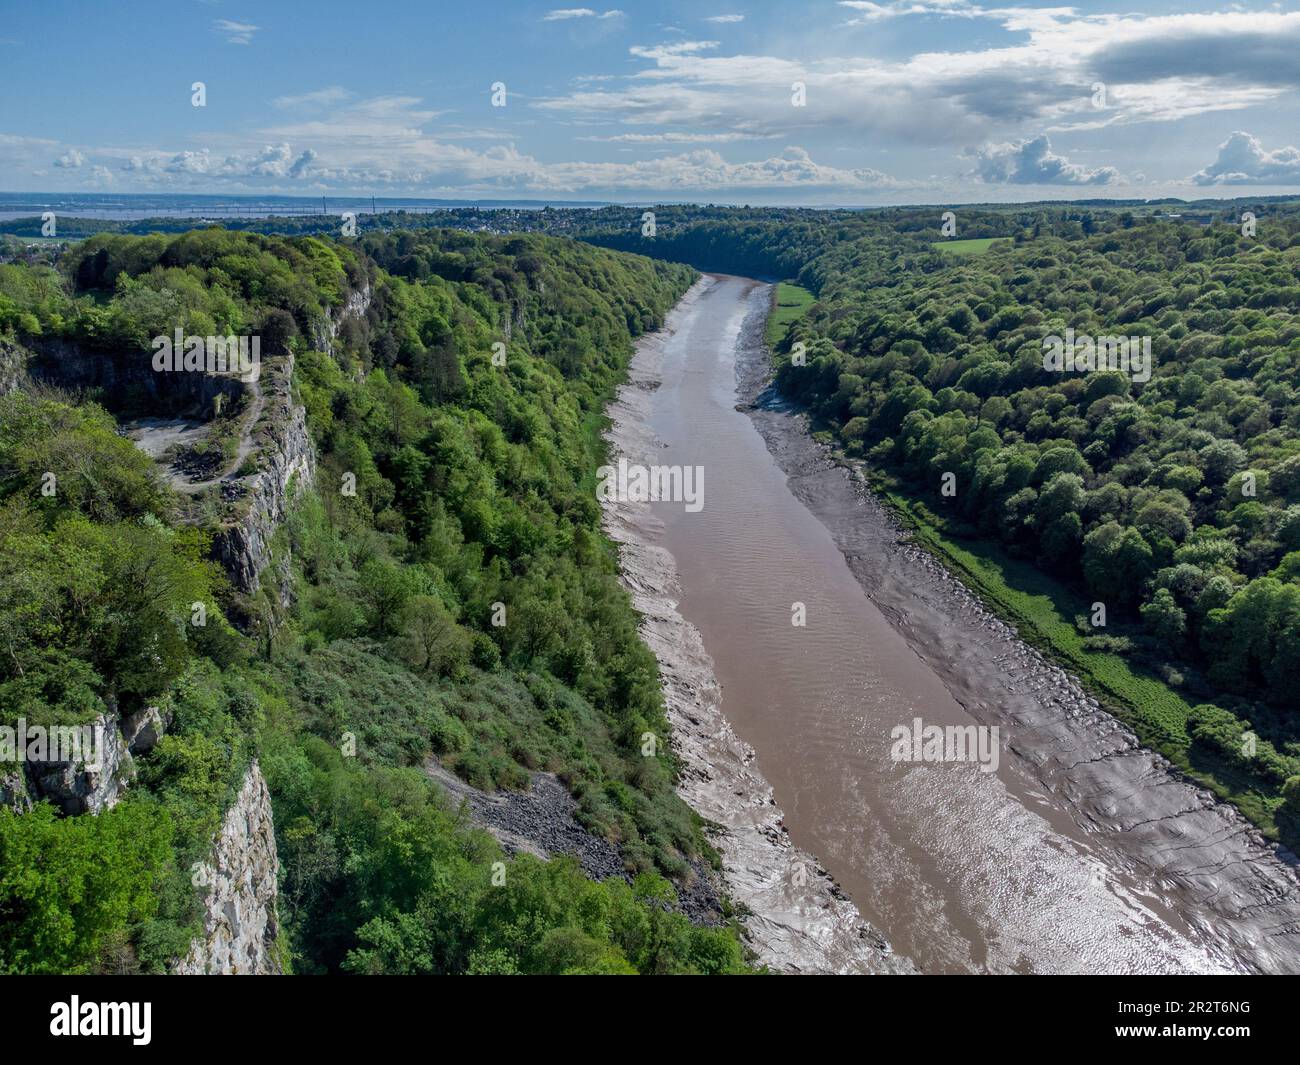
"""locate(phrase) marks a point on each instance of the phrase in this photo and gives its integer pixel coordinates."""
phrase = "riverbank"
(1040, 609)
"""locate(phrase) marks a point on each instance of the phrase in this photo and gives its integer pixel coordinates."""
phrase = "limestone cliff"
(325, 330)
(240, 924)
(285, 459)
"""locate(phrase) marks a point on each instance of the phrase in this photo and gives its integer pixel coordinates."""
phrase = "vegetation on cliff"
(453, 597)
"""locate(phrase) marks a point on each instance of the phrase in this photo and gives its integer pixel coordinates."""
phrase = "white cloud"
(1156, 69)
(872, 12)
(372, 144)
(704, 170)
(235, 32)
(671, 137)
(335, 94)
(1031, 162)
(274, 160)
(565, 13)
(1242, 160)
(725, 18)
(70, 160)
(188, 162)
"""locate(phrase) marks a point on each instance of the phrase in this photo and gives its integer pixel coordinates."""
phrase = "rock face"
(81, 787)
(13, 366)
(126, 380)
(286, 458)
(285, 454)
(326, 330)
(142, 730)
(13, 792)
(240, 922)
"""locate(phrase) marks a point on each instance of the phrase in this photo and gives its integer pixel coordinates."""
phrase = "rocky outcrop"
(13, 366)
(240, 924)
(143, 729)
(90, 784)
(13, 791)
(325, 330)
(95, 781)
(285, 458)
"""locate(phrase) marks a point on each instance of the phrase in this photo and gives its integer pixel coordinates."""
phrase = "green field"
(1043, 610)
(975, 246)
(792, 303)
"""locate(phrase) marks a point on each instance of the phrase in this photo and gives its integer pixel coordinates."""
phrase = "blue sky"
(901, 101)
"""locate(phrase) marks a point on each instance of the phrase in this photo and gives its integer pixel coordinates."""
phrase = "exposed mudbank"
(1235, 891)
(800, 920)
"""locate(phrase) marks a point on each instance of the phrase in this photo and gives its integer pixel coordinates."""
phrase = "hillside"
(438, 596)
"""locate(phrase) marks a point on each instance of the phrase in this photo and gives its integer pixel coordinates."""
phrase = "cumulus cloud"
(235, 32)
(188, 162)
(1031, 162)
(1243, 160)
(70, 160)
(274, 160)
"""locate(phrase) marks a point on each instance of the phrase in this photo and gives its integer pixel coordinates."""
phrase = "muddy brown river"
(1074, 851)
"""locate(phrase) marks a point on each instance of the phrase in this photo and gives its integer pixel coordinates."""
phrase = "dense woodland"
(473, 487)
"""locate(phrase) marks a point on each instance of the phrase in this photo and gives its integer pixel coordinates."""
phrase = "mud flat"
(1077, 852)
(800, 921)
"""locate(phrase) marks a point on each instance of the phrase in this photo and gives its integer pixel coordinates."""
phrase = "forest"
(471, 489)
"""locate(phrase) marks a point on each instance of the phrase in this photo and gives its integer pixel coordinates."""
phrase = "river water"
(1079, 852)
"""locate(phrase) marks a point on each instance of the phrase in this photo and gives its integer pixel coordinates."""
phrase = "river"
(1077, 851)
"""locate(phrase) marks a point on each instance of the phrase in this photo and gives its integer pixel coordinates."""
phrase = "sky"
(815, 102)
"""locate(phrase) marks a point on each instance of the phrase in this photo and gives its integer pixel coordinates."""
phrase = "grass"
(792, 303)
(974, 246)
(1043, 610)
